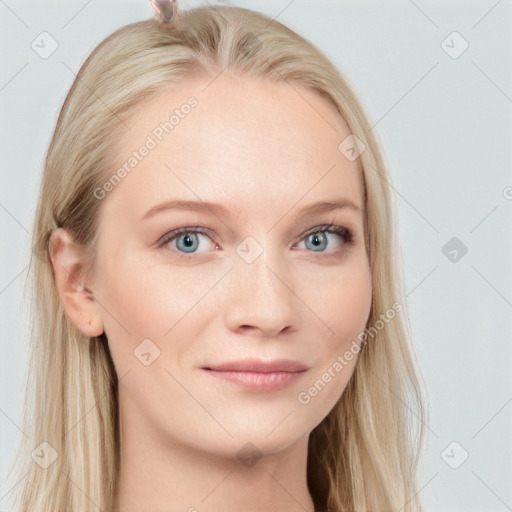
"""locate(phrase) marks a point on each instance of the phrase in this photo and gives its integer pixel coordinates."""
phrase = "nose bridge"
(262, 291)
(264, 273)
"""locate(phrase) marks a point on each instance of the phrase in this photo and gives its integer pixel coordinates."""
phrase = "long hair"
(364, 454)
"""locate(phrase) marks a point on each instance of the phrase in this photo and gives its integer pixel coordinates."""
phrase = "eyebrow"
(219, 209)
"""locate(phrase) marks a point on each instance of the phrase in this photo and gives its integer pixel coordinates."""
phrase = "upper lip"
(259, 366)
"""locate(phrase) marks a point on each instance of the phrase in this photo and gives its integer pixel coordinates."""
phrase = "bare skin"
(265, 152)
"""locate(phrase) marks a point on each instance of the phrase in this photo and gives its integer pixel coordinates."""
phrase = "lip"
(257, 374)
(259, 366)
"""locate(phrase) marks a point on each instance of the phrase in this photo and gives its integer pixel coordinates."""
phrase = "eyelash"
(345, 233)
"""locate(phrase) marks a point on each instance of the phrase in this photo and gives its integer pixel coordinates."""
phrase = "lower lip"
(259, 381)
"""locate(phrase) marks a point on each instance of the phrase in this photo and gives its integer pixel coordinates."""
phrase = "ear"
(70, 265)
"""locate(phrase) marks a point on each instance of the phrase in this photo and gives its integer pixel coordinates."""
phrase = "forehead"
(234, 139)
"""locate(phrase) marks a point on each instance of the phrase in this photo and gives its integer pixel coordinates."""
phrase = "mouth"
(258, 375)
(260, 381)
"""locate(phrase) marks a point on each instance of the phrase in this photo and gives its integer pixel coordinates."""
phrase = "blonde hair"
(364, 455)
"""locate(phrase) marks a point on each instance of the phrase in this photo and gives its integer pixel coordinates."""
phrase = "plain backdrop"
(435, 80)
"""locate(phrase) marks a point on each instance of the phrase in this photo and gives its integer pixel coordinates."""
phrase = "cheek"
(132, 304)
(353, 305)
(344, 306)
(141, 301)
(341, 300)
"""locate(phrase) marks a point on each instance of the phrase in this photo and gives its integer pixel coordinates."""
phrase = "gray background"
(445, 126)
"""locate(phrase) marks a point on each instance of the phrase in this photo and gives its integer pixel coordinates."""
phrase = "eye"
(185, 240)
(318, 237)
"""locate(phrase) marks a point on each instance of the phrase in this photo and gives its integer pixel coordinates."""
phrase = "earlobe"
(70, 264)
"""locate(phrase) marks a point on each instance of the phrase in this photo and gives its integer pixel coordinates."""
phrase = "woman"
(219, 316)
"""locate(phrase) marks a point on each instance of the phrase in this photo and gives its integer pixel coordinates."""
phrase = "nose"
(261, 299)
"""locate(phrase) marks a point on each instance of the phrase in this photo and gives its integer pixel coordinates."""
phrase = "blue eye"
(316, 239)
(186, 239)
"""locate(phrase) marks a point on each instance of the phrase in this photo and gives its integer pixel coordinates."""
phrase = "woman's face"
(262, 280)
